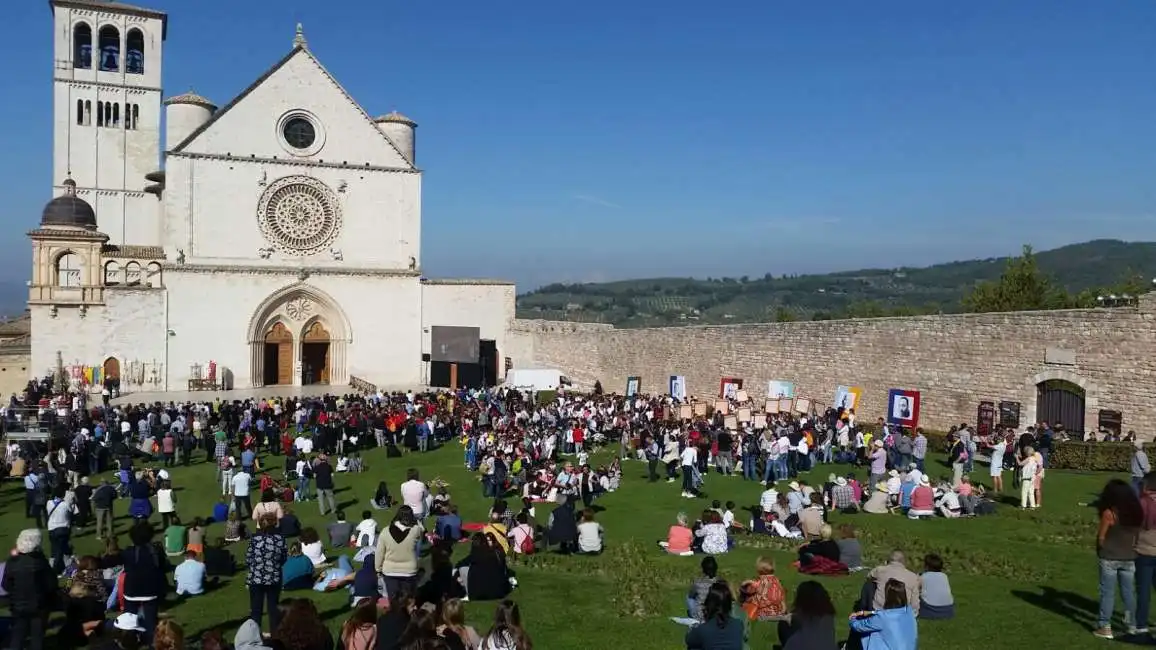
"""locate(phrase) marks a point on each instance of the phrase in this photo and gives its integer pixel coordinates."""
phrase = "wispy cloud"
(587, 198)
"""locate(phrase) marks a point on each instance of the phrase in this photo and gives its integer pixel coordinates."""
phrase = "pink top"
(964, 489)
(922, 498)
(678, 539)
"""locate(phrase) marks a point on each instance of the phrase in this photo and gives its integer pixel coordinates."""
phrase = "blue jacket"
(888, 629)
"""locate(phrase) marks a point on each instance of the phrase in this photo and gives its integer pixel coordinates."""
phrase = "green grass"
(1020, 578)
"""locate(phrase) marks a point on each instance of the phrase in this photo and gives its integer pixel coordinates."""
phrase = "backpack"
(527, 545)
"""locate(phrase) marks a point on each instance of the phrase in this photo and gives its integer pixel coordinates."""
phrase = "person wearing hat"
(922, 499)
(843, 496)
(877, 502)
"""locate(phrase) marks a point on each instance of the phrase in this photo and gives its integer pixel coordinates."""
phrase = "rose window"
(299, 215)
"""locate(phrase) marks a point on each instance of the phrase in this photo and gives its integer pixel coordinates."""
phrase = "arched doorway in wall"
(1059, 401)
(315, 357)
(110, 372)
(278, 354)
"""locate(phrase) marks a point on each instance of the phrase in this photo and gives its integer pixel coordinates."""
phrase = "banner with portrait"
(847, 397)
(729, 387)
(678, 387)
(903, 407)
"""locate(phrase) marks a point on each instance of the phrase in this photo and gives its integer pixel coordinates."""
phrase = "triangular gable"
(246, 125)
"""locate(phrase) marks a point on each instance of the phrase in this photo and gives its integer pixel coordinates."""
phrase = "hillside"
(1089, 266)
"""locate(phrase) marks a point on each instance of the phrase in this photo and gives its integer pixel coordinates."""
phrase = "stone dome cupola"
(184, 114)
(68, 210)
(401, 130)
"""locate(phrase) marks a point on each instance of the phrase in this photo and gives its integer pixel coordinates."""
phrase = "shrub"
(546, 397)
(1094, 456)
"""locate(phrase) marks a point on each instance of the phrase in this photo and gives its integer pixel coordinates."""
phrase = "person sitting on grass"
(448, 525)
(823, 550)
(312, 548)
(679, 538)
(935, 599)
(922, 500)
(893, 627)
(190, 576)
(713, 533)
(764, 598)
(218, 560)
(488, 577)
(175, 538)
(700, 587)
(850, 551)
(340, 532)
(719, 629)
(590, 534)
(811, 623)
(366, 530)
(298, 570)
(382, 500)
(234, 528)
(290, 525)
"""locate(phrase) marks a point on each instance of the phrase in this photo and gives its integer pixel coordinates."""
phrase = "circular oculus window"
(299, 133)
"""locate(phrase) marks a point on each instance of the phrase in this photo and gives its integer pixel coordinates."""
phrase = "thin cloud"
(587, 198)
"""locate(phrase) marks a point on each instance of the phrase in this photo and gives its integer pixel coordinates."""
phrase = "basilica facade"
(274, 240)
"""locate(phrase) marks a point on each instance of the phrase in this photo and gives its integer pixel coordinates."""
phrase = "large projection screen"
(454, 344)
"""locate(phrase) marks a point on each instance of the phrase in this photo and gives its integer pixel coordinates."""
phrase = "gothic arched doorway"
(111, 369)
(278, 355)
(1059, 401)
(315, 355)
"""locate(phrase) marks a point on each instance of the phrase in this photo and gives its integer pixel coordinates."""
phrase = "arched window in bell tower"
(80, 112)
(134, 52)
(109, 49)
(82, 46)
(88, 112)
(116, 113)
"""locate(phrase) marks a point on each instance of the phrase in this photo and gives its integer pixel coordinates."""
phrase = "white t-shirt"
(689, 456)
(165, 501)
(304, 444)
(241, 484)
(413, 495)
(590, 537)
(314, 552)
(367, 527)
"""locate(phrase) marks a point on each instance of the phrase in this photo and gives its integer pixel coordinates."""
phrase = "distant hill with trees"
(1066, 277)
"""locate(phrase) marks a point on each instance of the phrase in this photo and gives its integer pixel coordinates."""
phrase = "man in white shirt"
(414, 493)
(304, 445)
(241, 498)
(60, 530)
(689, 458)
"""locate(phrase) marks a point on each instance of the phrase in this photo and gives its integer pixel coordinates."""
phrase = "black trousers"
(652, 468)
(28, 632)
(243, 501)
(262, 597)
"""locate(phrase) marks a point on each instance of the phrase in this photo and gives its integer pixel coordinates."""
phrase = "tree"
(1021, 287)
(784, 315)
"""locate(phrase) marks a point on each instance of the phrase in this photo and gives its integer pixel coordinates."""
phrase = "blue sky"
(601, 140)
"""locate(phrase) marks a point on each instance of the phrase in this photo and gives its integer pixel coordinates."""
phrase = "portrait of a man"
(903, 408)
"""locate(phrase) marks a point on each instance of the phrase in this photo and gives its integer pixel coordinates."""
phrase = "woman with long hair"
(422, 628)
(301, 628)
(454, 624)
(1121, 516)
(360, 631)
(507, 632)
(892, 627)
(810, 625)
(719, 629)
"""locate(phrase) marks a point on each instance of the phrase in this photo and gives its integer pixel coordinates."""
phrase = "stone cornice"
(70, 235)
(290, 162)
(280, 269)
(106, 85)
(467, 282)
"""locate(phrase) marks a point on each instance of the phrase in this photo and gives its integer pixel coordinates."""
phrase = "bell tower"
(106, 73)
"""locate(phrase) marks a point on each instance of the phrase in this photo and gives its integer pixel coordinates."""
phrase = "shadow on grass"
(1072, 606)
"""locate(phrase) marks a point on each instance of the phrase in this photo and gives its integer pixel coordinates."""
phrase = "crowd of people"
(271, 457)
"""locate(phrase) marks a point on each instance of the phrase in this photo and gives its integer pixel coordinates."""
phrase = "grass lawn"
(1020, 579)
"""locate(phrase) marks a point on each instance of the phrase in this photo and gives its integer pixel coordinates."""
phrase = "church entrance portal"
(278, 356)
(315, 355)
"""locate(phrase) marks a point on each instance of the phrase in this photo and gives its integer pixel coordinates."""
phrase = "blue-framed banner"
(678, 387)
(633, 386)
(903, 407)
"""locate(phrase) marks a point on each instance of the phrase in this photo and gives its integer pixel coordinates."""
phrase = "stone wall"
(955, 361)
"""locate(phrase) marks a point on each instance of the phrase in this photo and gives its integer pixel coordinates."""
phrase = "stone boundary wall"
(955, 361)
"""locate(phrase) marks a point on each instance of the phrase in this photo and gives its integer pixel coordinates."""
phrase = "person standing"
(998, 450)
(32, 587)
(1121, 516)
(652, 453)
(102, 499)
(919, 449)
(323, 481)
(265, 559)
(689, 458)
(241, 500)
(1140, 466)
(414, 493)
(60, 529)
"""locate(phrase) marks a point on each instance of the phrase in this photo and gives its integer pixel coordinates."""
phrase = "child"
(935, 600)
(196, 535)
(356, 465)
(366, 530)
(440, 501)
(728, 516)
(700, 587)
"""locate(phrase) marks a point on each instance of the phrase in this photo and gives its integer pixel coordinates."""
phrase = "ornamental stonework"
(299, 215)
(299, 309)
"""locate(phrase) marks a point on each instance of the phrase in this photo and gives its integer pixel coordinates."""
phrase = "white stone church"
(275, 239)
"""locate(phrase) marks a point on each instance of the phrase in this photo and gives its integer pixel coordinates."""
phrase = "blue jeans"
(919, 464)
(1145, 580)
(688, 479)
(1115, 573)
(750, 472)
(1137, 484)
(691, 607)
(769, 469)
(781, 467)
